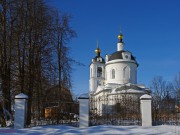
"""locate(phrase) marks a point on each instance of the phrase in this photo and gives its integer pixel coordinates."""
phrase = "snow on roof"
(99, 88)
(127, 91)
(141, 86)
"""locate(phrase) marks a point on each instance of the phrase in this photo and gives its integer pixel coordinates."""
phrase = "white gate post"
(20, 110)
(83, 111)
(146, 113)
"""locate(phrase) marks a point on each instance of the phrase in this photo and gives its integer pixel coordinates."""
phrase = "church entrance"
(123, 111)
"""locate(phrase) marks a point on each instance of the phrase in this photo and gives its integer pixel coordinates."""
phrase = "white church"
(114, 77)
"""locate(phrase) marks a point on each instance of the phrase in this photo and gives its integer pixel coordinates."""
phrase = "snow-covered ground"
(94, 130)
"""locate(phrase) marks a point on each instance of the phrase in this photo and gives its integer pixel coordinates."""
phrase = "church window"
(91, 72)
(99, 72)
(113, 74)
(126, 56)
(126, 73)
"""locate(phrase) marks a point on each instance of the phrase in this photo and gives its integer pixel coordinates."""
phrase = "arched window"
(113, 74)
(126, 73)
(91, 73)
(99, 72)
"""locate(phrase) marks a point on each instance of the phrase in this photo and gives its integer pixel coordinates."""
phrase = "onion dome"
(97, 51)
(120, 38)
(98, 57)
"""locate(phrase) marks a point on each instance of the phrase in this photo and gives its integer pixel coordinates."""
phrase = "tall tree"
(62, 35)
(5, 54)
(162, 93)
(31, 38)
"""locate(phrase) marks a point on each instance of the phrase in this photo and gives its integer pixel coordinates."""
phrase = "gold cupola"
(120, 38)
(97, 51)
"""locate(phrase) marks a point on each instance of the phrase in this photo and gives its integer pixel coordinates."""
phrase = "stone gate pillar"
(20, 110)
(146, 113)
(83, 111)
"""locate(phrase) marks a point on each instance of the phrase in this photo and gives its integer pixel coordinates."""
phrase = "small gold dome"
(97, 50)
(120, 36)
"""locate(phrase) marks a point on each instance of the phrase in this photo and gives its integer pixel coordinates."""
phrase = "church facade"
(114, 77)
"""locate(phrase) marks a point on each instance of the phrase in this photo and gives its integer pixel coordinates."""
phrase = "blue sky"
(151, 30)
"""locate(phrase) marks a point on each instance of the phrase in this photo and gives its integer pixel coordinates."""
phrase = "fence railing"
(173, 119)
(115, 111)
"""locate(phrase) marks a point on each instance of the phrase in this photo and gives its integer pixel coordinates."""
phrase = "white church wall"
(96, 80)
(120, 76)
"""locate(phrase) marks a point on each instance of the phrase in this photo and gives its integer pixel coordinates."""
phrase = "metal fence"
(167, 120)
(65, 113)
(166, 111)
(122, 111)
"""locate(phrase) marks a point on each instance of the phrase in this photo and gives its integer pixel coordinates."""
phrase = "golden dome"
(97, 50)
(120, 36)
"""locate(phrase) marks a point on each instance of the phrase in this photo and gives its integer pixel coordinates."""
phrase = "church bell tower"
(97, 71)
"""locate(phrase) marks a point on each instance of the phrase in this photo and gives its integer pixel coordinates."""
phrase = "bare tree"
(31, 38)
(163, 97)
(177, 89)
(5, 53)
(2, 118)
(62, 35)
